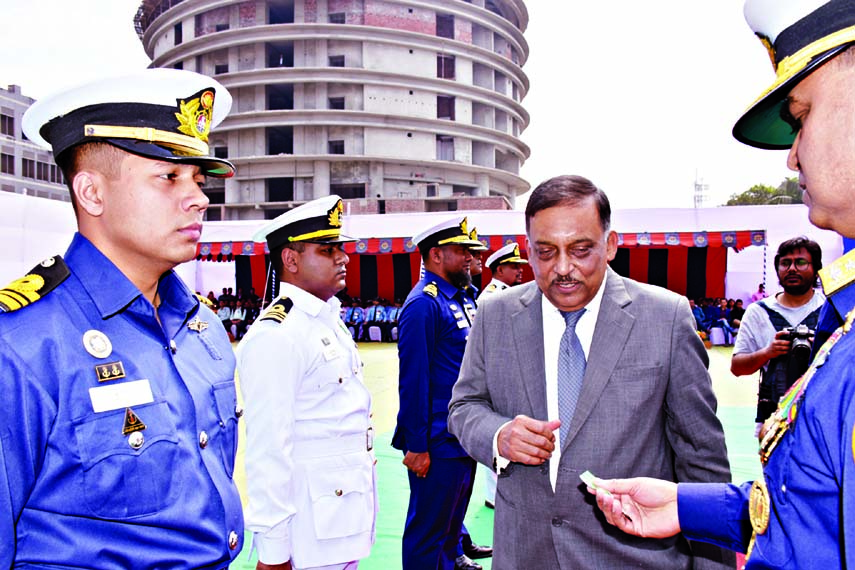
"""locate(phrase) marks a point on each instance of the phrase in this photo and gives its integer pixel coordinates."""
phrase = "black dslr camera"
(799, 358)
(782, 372)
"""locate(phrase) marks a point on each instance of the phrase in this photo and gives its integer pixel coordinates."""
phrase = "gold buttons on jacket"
(238, 411)
(203, 439)
(339, 492)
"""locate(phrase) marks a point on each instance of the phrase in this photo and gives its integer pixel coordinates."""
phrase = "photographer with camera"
(776, 333)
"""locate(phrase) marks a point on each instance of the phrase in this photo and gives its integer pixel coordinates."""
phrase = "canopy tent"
(687, 259)
(35, 228)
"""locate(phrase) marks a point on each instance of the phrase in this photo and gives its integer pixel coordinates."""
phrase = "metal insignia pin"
(97, 344)
(197, 325)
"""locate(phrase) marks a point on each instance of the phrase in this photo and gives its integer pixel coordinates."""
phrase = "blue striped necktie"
(571, 371)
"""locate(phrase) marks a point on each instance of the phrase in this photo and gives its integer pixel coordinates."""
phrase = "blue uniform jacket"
(433, 326)
(375, 314)
(810, 477)
(355, 315)
(73, 490)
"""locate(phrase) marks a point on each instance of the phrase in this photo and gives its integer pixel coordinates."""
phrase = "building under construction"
(395, 105)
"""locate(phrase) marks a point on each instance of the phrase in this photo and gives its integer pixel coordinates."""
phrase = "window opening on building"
(445, 66)
(444, 107)
(28, 168)
(445, 26)
(348, 191)
(444, 147)
(280, 97)
(7, 125)
(7, 164)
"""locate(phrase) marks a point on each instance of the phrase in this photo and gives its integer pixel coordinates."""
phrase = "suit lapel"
(527, 330)
(613, 326)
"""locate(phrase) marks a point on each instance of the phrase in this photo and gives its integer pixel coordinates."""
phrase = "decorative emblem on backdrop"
(728, 239)
(643, 238)
(385, 245)
(700, 239)
(672, 239)
(758, 237)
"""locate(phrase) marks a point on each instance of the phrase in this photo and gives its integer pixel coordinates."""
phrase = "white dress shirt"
(553, 329)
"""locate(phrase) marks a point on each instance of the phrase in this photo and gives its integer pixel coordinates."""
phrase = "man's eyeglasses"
(800, 263)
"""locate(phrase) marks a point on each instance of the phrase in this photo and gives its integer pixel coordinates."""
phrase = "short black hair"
(568, 190)
(276, 256)
(800, 242)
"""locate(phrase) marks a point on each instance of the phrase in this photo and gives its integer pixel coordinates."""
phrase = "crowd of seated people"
(236, 311)
(360, 316)
(718, 313)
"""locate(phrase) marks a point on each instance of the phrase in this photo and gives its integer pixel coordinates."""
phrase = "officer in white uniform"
(506, 265)
(309, 461)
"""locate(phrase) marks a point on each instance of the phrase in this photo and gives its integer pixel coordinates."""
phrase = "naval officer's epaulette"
(839, 274)
(41, 280)
(431, 289)
(204, 300)
(491, 287)
(278, 310)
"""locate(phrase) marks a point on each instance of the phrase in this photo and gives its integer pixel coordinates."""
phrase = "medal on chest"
(778, 424)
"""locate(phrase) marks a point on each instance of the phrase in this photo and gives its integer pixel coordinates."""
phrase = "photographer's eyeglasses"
(801, 263)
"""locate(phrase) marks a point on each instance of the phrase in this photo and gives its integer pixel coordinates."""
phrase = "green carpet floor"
(736, 399)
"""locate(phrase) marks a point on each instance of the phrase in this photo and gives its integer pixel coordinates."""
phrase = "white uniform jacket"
(309, 465)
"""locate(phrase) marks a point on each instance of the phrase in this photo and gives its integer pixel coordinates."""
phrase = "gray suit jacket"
(646, 409)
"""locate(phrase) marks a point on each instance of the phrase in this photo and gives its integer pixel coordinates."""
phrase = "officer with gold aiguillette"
(433, 326)
(118, 421)
(799, 514)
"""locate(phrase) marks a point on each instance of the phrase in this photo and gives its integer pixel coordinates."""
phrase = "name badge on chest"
(330, 350)
(118, 396)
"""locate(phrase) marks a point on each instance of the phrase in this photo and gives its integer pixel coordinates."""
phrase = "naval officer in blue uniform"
(799, 513)
(118, 421)
(433, 327)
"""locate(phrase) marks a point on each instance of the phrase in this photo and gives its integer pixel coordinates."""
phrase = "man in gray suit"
(584, 370)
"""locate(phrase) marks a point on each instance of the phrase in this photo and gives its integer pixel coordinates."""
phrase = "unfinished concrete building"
(395, 105)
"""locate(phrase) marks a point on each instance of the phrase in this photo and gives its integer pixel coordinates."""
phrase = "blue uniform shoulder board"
(431, 289)
(204, 300)
(278, 310)
(40, 281)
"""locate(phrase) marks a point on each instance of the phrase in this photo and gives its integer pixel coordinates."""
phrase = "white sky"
(640, 97)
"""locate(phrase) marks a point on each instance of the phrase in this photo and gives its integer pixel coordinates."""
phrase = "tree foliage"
(788, 192)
